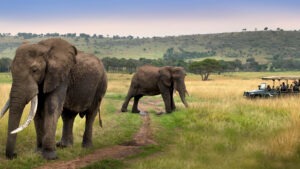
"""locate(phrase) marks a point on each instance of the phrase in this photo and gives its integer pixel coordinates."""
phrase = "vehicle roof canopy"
(281, 78)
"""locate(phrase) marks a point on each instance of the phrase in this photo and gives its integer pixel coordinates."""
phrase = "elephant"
(58, 81)
(150, 80)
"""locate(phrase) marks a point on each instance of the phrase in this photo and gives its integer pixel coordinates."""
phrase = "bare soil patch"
(115, 152)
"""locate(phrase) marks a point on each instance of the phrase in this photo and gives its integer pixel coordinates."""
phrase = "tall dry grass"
(225, 94)
(222, 129)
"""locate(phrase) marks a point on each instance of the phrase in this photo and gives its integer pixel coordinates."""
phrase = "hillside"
(261, 45)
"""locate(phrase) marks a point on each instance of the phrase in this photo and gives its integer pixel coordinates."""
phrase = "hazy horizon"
(147, 18)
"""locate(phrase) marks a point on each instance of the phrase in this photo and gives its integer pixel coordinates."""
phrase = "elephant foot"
(39, 149)
(49, 155)
(63, 144)
(124, 110)
(87, 144)
(169, 111)
(135, 111)
(11, 156)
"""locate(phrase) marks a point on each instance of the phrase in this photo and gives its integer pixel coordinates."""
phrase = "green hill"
(264, 46)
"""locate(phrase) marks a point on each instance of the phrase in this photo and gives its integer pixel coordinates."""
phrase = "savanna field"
(220, 129)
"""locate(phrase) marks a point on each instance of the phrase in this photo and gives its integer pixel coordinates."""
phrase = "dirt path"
(141, 138)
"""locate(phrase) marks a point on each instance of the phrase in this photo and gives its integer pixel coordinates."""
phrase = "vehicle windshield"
(263, 86)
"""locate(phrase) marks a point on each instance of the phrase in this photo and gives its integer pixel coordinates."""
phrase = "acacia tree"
(205, 67)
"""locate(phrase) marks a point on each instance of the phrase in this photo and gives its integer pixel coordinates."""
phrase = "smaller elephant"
(150, 81)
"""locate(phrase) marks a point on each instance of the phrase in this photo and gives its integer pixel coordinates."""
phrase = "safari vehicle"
(264, 90)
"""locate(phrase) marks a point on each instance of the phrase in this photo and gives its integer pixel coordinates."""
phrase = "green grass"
(225, 131)
(5, 78)
(212, 139)
(220, 129)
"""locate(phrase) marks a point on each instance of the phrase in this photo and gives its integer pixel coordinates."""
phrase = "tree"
(205, 67)
(169, 53)
(5, 64)
(252, 65)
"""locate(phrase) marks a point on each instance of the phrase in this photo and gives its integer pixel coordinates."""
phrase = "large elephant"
(59, 82)
(150, 80)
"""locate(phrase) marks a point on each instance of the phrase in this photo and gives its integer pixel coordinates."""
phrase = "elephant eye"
(34, 69)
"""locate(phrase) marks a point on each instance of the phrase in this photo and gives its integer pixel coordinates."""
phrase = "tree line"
(204, 67)
(129, 65)
(279, 50)
(183, 54)
(180, 58)
(26, 35)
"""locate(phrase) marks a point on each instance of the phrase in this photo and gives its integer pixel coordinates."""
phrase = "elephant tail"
(100, 120)
(100, 94)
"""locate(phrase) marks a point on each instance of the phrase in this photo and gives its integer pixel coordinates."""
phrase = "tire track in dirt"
(115, 152)
(141, 138)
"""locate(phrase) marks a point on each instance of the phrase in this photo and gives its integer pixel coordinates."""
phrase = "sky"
(147, 18)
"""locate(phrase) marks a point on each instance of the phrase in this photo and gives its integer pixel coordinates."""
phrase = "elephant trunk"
(18, 99)
(17, 105)
(180, 87)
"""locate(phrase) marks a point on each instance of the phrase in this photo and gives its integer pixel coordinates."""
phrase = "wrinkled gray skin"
(66, 83)
(150, 81)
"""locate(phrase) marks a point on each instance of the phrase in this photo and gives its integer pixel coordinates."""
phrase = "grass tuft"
(106, 164)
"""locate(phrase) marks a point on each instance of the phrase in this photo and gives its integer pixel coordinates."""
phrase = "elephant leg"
(135, 104)
(48, 141)
(127, 99)
(167, 100)
(39, 129)
(68, 118)
(88, 132)
(52, 110)
(173, 107)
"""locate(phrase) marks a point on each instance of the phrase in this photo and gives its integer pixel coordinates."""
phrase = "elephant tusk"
(187, 93)
(33, 108)
(5, 108)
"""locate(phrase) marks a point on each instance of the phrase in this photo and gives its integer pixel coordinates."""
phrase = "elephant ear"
(178, 72)
(60, 59)
(165, 75)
